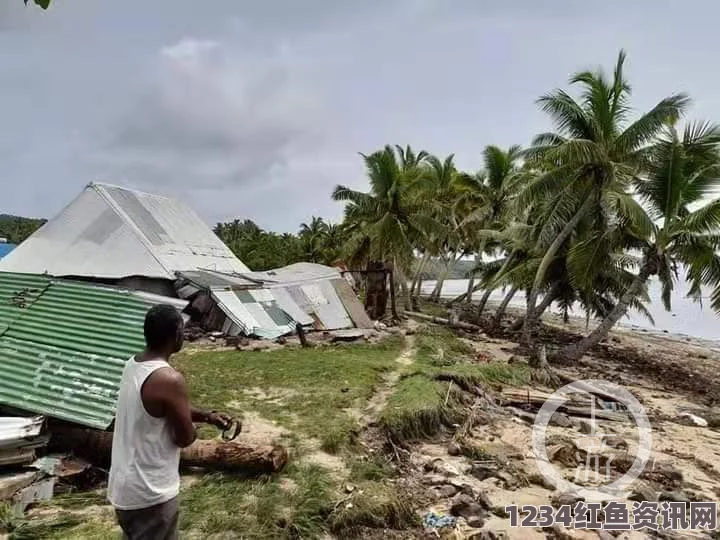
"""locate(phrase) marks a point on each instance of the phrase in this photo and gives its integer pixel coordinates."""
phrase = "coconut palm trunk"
(503, 306)
(532, 313)
(548, 299)
(416, 285)
(573, 353)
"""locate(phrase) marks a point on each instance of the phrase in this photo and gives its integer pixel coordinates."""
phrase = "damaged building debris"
(73, 298)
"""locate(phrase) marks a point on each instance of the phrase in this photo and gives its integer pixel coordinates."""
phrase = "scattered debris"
(689, 419)
(431, 520)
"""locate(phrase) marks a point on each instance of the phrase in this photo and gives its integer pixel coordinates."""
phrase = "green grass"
(305, 389)
(372, 505)
(294, 504)
(429, 396)
(66, 525)
(432, 308)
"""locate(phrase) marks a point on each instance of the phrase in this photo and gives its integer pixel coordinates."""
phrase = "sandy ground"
(669, 375)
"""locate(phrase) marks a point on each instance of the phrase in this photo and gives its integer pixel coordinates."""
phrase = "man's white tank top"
(144, 470)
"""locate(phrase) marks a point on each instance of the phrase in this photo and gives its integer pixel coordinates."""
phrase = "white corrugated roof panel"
(113, 232)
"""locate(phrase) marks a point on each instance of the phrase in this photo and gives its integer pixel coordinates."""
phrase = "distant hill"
(461, 270)
(16, 228)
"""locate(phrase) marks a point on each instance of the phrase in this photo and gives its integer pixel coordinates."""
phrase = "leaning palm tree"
(491, 192)
(682, 172)
(385, 221)
(595, 152)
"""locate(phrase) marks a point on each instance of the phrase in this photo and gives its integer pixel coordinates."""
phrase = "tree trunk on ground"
(573, 353)
(542, 306)
(96, 447)
(503, 306)
(531, 316)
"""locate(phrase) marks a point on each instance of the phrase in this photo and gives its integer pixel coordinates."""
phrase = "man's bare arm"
(170, 388)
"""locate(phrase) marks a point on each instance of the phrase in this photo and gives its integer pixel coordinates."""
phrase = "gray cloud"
(213, 118)
(257, 109)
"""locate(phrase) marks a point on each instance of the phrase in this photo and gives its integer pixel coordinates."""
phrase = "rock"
(349, 488)
(281, 341)
(446, 468)
(539, 480)
(642, 492)
(466, 507)
(482, 471)
(688, 419)
(446, 491)
(484, 501)
(561, 420)
(454, 449)
(674, 496)
(563, 498)
(435, 480)
(476, 522)
(586, 426)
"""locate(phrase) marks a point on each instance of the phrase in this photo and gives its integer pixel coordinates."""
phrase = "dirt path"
(380, 398)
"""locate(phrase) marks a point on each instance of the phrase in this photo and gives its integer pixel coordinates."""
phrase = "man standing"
(154, 421)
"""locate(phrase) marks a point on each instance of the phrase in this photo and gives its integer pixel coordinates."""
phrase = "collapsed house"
(144, 242)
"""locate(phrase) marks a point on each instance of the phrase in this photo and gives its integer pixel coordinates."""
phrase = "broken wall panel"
(352, 304)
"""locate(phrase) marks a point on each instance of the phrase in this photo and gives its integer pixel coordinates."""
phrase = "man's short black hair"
(161, 326)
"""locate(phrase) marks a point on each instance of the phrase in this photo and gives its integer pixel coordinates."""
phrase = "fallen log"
(439, 320)
(96, 446)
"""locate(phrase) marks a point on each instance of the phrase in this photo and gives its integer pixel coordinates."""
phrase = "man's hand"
(219, 420)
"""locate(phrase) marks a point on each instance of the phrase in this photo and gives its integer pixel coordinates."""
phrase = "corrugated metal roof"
(113, 232)
(216, 280)
(295, 273)
(13, 428)
(64, 344)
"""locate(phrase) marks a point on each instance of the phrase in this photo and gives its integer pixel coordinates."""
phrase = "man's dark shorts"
(157, 522)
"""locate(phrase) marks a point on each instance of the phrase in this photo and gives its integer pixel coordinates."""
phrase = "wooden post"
(393, 305)
(301, 335)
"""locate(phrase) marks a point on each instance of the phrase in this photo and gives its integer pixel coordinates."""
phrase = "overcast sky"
(257, 109)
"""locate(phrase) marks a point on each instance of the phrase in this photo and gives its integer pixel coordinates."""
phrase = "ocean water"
(687, 317)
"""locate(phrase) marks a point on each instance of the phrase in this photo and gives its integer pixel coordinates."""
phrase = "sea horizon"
(687, 317)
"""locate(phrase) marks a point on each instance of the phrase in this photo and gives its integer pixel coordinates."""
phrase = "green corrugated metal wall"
(63, 346)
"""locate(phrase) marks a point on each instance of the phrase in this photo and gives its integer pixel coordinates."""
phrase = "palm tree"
(386, 221)
(492, 192)
(314, 237)
(681, 173)
(436, 190)
(593, 154)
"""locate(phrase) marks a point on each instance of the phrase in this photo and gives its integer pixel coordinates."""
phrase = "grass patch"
(79, 500)
(372, 468)
(375, 506)
(439, 346)
(312, 386)
(420, 407)
(425, 400)
(262, 508)
(65, 525)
